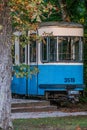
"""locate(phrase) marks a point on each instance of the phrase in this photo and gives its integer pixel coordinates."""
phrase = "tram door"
(32, 61)
(26, 55)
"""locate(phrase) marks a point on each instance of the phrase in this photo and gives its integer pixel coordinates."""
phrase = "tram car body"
(58, 57)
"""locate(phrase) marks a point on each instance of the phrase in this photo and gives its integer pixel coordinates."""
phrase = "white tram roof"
(60, 29)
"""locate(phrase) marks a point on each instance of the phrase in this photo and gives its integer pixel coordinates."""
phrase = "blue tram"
(59, 59)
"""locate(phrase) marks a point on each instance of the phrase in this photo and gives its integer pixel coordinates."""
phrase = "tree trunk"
(63, 7)
(5, 68)
(5, 93)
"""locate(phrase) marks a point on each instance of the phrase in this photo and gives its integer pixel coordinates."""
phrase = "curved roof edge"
(61, 24)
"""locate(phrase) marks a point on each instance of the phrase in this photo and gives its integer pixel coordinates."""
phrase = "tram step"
(34, 109)
(30, 104)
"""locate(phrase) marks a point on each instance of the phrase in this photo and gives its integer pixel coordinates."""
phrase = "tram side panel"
(59, 78)
(50, 78)
(32, 86)
(24, 86)
(18, 85)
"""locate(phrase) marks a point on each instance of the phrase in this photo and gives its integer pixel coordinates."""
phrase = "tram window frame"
(72, 50)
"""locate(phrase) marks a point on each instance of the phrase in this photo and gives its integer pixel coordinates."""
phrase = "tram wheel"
(46, 95)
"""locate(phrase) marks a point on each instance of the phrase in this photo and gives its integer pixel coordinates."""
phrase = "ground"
(65, 118)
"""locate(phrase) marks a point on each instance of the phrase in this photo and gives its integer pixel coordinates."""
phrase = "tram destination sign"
(47, 34)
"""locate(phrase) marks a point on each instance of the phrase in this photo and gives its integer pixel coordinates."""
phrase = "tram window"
(22, 54)
(49, 49)
(65, 52)
(63, 49)
(33, 51)
(69, 48)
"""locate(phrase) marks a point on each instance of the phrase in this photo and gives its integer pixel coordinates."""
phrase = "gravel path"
(44, 114)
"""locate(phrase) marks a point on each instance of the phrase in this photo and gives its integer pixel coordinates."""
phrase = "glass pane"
(76, 43)
(81, 49)
(22, 54)
(44, 49)
(52, 49)
(64, 48)
(33, 51)
(13, 54)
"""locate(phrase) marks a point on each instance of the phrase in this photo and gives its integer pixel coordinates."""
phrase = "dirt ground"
(78, 107)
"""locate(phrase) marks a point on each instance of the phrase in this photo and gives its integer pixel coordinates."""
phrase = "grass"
(54, 123)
